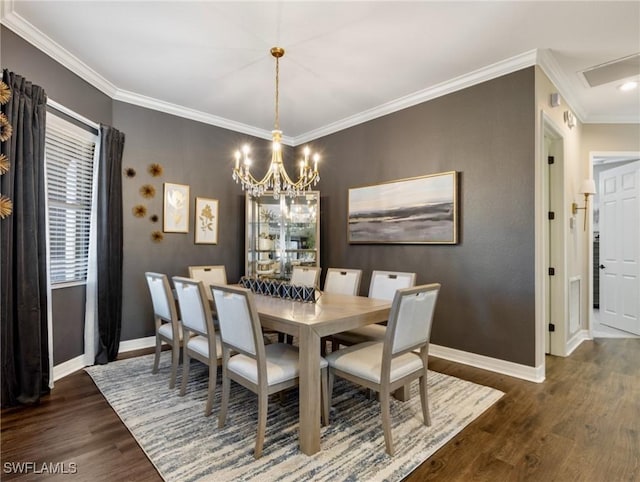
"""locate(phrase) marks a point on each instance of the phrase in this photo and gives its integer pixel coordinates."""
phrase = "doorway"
(555, 273)
(614, 309)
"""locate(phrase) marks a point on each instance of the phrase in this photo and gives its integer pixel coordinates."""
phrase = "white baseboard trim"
(68, 367)
(532, 374)
(576, 341)
(137, 344)
(78, 363)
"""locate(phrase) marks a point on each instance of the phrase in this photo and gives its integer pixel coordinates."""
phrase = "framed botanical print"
(206, 221)
(176, 208)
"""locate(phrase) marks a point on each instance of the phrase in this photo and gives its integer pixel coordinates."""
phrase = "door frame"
(592, 156)
(557, 304)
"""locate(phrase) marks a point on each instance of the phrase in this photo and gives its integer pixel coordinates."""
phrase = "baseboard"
(532, 374)
(137, 344)
(576, 341)
(68, 367)
(79, 362)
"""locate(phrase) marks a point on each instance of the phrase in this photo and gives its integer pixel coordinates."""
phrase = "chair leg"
(324, 396)
(330, 378)
(213, 373)
(175, 359)
(263, 405)
(424, 401)
(156, 360)
(386, 422)
(186, 364)
(224, 403)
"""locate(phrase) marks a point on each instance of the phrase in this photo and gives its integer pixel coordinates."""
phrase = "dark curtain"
(25, 344)
(109, 235)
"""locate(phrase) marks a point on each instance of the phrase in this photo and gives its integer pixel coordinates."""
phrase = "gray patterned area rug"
(184, 445)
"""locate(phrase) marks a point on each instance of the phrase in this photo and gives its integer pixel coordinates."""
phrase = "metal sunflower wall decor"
(155, 170)
(6, 205)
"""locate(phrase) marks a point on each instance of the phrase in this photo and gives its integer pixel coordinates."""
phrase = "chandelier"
(276, 179)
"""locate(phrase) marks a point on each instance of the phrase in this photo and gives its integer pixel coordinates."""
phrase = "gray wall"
(191, 153)
(68, 89)
(60, 84)
(486, 133)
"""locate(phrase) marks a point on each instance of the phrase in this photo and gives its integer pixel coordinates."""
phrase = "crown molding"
(193, 114)
(31, 34)
(526, 59)
(550, 67)
(596, 119)
(541, 57)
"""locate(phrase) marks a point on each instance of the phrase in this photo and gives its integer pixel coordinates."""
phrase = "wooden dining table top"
(331, 313)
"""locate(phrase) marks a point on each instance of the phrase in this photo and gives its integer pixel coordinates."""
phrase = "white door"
(619, 247)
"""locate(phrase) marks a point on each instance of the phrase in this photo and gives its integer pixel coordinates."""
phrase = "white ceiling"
(345, 62)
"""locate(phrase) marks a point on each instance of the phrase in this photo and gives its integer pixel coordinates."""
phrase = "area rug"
(184, 445)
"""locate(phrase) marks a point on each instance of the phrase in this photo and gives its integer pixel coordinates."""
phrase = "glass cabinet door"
(282, 233)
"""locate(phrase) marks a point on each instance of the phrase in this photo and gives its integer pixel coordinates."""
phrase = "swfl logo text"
(39, 468)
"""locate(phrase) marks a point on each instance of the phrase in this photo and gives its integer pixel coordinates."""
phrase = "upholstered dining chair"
(263, 369)
(201, 340)
(383, 285)
(209, 275)
(399, 359)
(168, 327)
(343, 281)
(305, 276)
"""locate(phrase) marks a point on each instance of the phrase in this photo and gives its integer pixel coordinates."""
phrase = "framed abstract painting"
(419, 210)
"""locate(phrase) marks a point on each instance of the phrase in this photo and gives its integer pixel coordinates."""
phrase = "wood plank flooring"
(581, 424)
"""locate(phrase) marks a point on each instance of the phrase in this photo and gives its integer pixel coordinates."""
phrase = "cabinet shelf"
(276, 230)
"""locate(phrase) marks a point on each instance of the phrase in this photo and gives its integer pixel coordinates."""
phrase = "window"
(70, 154)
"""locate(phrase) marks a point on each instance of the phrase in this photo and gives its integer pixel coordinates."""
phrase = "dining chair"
(209, 275)
(305, 276)
(398, 360)
(202, 342)
(383, 285)
(343, 281)
(168, 327)
(263, 369)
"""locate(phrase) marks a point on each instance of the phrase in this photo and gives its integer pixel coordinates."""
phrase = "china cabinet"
(282, 233)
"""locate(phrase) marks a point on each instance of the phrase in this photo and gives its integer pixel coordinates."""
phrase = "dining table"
(310, 322)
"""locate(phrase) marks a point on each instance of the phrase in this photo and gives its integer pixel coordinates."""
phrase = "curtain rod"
(72, 114)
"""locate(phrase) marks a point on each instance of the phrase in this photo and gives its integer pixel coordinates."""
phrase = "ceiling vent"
(612, 71)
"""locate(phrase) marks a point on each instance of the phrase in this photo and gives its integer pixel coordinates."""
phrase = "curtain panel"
(109, 244)
(23, 270)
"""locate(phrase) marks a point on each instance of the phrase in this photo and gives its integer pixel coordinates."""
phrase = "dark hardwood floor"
(581, 424)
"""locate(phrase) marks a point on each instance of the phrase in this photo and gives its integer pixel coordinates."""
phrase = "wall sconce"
(588, 188)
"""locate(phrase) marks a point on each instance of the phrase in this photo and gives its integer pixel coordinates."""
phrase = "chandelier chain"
(277, 120)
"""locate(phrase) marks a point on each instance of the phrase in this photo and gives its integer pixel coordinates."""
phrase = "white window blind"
(70, 153)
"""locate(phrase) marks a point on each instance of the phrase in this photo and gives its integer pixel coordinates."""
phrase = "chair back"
(209, 275)
(343, 281)
(305, 275)
(238, 320)
(384, 284)
(194, 306)
(164, 306)
(411, 317)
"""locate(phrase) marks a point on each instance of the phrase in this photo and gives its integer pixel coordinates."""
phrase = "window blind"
(70, 153)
